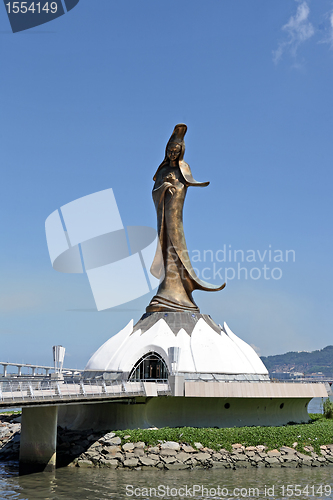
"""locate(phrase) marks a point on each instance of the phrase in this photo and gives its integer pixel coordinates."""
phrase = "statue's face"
(173, 151)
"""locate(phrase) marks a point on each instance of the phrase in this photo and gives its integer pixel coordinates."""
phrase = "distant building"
(286, 375)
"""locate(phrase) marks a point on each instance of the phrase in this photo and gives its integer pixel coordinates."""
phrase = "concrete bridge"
(41, 399)
(100, 404)
(46, 392)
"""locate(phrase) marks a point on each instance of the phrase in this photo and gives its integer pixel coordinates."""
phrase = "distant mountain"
(306, 362)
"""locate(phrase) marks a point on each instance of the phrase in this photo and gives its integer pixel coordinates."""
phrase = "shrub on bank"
(328, 408)
(317, 432)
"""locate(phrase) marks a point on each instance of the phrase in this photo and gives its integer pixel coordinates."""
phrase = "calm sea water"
(98, 484)
(316, 405)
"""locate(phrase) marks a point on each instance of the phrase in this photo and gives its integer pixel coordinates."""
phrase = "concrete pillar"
(19, 370)
(33, 368)
(150, 388)
(38, 439)
(5, 370)
(177, 385)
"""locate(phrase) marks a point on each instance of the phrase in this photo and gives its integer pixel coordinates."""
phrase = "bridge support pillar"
(38, 439)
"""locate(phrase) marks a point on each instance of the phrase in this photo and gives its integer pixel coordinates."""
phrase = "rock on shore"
(89, 449)
(10, 429)
(107, 451)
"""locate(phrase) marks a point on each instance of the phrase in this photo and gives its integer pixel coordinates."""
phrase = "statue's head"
(173, 150)
(176, 143)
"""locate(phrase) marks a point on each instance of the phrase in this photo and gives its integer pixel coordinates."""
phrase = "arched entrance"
(150, 367)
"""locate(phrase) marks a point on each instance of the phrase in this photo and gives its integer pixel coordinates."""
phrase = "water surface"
(98, 484)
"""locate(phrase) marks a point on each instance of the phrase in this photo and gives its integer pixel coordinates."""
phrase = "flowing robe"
(175, 291)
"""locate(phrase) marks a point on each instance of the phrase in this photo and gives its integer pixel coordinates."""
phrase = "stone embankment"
(175, 456)
(108, 451)
(10, 429)
(89, 449)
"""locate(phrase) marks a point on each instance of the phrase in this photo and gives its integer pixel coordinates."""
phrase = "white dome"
(204, 347)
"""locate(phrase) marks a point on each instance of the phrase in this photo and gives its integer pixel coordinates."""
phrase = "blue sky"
(88, 102)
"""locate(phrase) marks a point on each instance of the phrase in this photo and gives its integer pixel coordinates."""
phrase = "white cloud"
(331, 26)
(298, 29)
(329, 38)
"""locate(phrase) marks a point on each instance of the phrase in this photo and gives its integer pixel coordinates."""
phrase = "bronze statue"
(172, 179)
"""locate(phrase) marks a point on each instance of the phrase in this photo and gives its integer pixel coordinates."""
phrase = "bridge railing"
(26, 370)
(52, 390)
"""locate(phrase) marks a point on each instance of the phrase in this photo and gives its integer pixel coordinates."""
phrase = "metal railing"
(33, 368)
(53, 391)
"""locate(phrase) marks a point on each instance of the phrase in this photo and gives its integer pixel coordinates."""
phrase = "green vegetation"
(305, 362)
(16, 413)
(318, 432)
(328, 408)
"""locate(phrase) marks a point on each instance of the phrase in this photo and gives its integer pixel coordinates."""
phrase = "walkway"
(49, 392)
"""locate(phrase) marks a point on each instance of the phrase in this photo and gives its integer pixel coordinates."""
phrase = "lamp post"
(58, 359)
